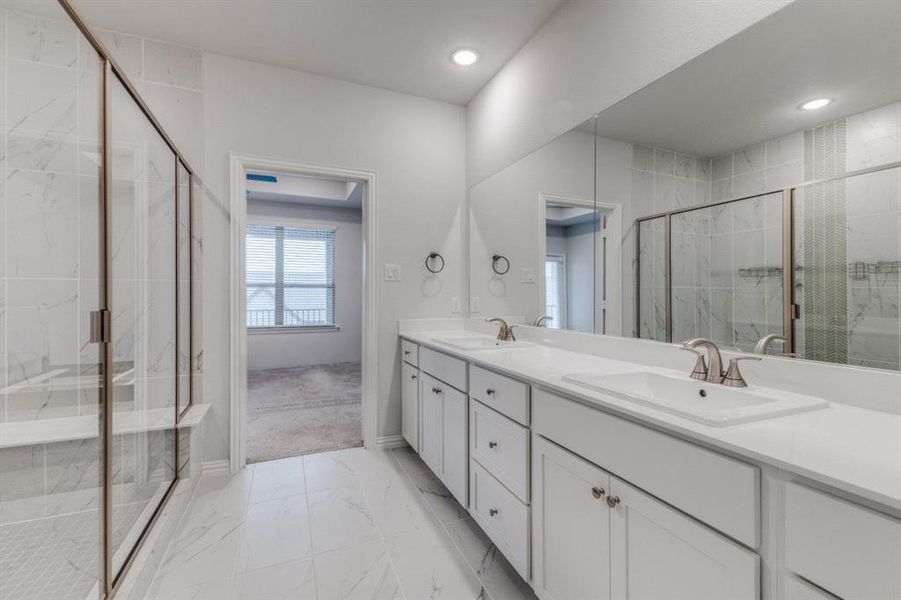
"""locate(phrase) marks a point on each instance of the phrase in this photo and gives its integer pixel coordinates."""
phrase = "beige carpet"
(303, 410)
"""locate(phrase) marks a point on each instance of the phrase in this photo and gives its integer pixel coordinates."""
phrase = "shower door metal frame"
(790, 309)
(110, 580)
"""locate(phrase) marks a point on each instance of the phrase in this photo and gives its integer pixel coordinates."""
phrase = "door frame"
(238, 166)
(612, 257)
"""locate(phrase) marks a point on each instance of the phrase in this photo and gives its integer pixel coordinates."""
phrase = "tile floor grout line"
(306, 499)
(485, 594)
(378, 529)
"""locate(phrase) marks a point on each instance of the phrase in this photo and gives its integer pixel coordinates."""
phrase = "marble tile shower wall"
(49, 112)
(661, 181)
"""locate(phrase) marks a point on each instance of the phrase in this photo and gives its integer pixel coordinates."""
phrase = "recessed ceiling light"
(465, 58)
(815, 104)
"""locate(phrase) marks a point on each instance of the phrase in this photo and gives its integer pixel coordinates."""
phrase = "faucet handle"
(700, 369)
(733, 376)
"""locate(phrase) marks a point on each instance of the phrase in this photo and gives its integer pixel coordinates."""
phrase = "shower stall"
(818, 264)
(96, 298)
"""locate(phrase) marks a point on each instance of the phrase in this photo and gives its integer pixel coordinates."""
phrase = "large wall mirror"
(718, 203)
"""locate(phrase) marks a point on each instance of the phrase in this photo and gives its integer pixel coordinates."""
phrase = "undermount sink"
(707, 403)
(479, 342)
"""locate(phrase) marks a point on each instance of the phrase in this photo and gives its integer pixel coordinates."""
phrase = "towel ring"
(496, 260)
(428, 262)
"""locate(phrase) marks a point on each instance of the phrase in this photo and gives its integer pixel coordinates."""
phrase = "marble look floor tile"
(286, 581)
(409, 460)
(439, 497)
(340, 517)
(397, 505)
(429, 566)
(497, 575)
(277, 479)
(329, 470)
(275, 531)
(357, 572)
(205, 591)
(373, 464)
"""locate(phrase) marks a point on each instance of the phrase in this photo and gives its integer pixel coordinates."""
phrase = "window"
(290, 276)
(555, 291)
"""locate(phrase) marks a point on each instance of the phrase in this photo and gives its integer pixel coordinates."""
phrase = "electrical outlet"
(455, 305)
(474, 304)
(392, 272)
(528, 275)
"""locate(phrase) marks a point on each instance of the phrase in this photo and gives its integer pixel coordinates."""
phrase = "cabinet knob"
(492, 512)
(597, 492)
(492, 444)
(612, 501)
(490, 391)
(412, 376)
(406, 353)
(436, 390)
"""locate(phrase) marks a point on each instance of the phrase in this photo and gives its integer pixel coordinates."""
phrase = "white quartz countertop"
(852, 449)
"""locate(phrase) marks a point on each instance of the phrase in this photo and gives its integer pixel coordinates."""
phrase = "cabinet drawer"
(503, 517)
(409, 352)
(718, 490)
(849, 550)
(501, 446)
(448, 369)
(505, 395)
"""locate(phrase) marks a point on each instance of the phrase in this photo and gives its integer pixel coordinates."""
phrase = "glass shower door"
(51, 445)
(143, 283)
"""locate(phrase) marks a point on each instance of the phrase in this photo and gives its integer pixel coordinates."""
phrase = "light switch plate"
(392, 272)
(528, 275)
(455, 304)
(474, 304)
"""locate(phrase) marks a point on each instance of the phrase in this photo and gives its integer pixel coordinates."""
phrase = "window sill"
(302, 329)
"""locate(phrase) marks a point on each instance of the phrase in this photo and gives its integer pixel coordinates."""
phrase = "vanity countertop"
(855, 450)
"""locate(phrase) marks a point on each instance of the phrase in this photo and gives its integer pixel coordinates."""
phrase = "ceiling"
(400, 45)
(748, 88)
(308, 191)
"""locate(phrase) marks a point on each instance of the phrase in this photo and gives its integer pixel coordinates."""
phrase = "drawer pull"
(490, 391)
(492, 512)
(612, 501)
(597, 492)
(406, 353)
(492, 444)
(436, 390)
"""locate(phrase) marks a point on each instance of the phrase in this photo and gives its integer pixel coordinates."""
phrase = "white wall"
(267, 350)
(416, 146)
(588, 56)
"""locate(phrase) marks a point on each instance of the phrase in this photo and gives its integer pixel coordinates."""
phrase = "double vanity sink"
(605, 479)
(669, 391)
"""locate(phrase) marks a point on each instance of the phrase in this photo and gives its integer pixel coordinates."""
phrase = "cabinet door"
(410, 404)
(570, 525)
(456, 443)
(431, 435)
(658, 552)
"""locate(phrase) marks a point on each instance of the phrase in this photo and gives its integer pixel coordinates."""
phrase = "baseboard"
(215, 467)
(387, 442)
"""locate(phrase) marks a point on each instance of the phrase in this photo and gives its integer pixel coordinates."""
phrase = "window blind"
(290, 274)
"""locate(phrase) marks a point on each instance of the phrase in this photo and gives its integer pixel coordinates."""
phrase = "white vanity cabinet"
(443, 420)
(409, 393)
(597, 537)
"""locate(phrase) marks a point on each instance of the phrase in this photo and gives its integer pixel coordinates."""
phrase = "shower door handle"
(100, 327)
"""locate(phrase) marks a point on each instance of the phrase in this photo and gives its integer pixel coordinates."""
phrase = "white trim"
(238, 167)
(293, 329)
(387, 442)
(292, 222)
(212, 468)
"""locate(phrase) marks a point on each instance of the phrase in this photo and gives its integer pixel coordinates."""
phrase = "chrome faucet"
(540, 321)
(714, 374)
(764, 342)
(505, 333)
